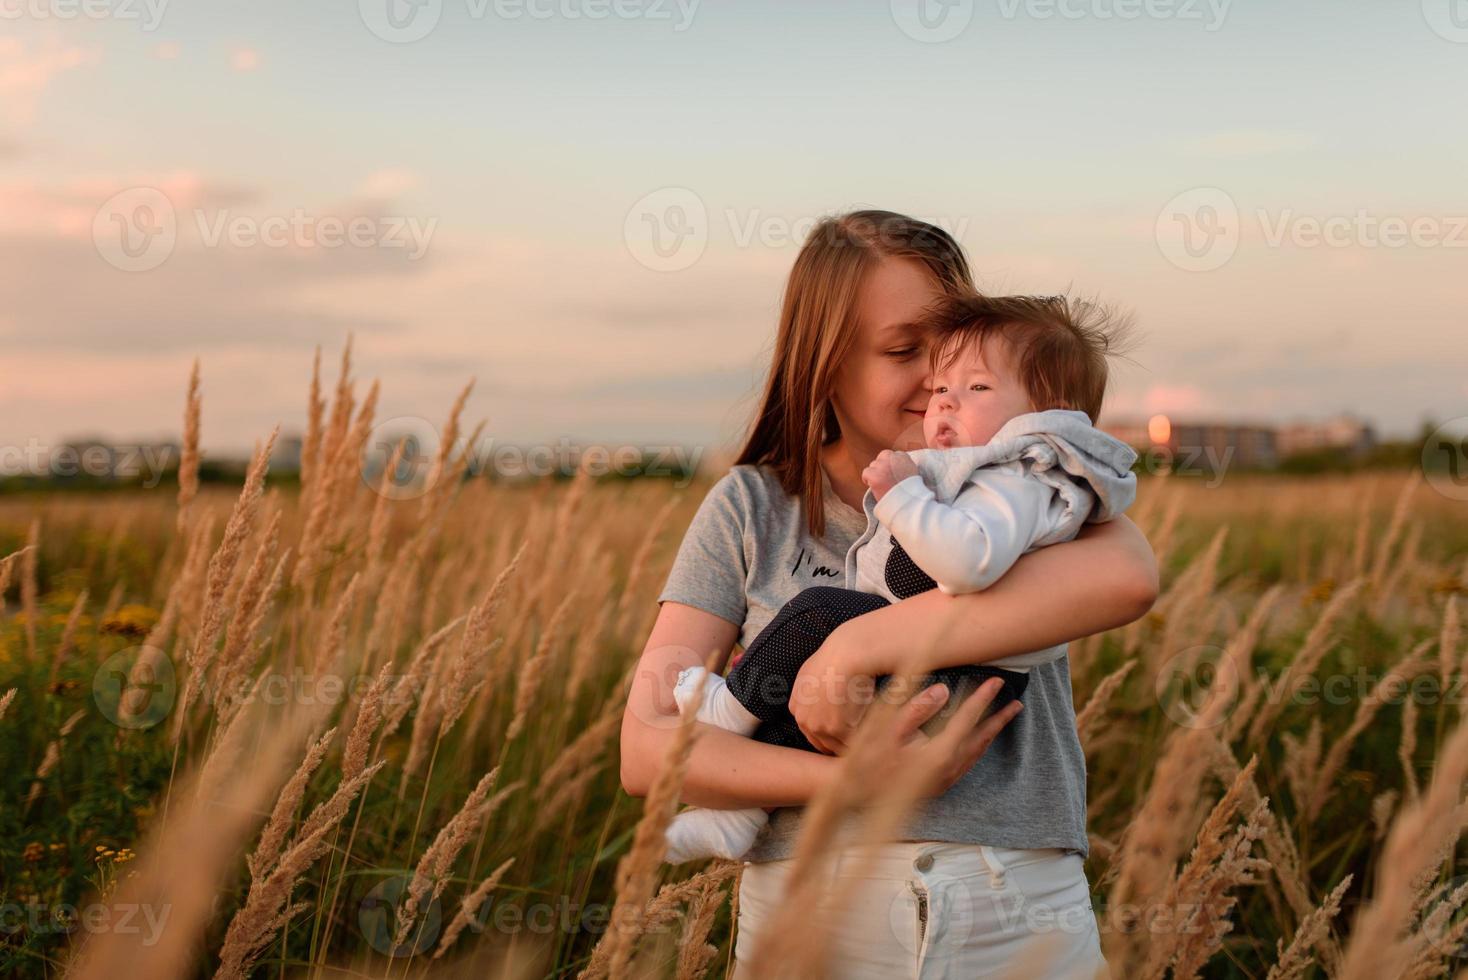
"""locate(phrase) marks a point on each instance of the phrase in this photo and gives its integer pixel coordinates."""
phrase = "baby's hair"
(1060, 344)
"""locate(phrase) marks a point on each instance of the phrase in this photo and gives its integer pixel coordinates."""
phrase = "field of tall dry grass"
(350, 731)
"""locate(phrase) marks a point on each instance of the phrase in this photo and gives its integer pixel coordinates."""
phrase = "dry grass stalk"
(365, 725)
(432, 871)
(264, 912)
(330, 655)
(1380, 946)
(253, 592)
(7, 565)
(570, 792)
(29, 588)
(311, 442)
(1090, 715)
(1292, 962)
(411, 685)
(1156, 838)
(221, 570)
(181, 895)
(1394, 528)
(325, 473)
(800, 945)
(474, 653)
(437, 486)
(68, 634)
(380, 524)
(1180, 608)
(663, 908)
(1407, 747)
(533, 670)
(584, 750)
(191, 597)
(469, 908)
(6, 700)
(52, 757)
(627, 605)
(588, 654)
(695, 954)
(188, 462)
(250, 643)
(1398, 677)
(277, 828)
(1221, 860)
(1317, 643)
(638, 869)
(1447, 649)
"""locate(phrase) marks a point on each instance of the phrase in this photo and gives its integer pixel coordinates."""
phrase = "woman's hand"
(830, 695)
(903, 751)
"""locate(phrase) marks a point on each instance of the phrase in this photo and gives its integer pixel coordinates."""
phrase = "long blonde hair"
(818, 326)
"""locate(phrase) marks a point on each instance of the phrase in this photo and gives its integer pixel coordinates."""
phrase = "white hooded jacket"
(973, 510)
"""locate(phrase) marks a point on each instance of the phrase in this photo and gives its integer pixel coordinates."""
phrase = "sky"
(590, 206)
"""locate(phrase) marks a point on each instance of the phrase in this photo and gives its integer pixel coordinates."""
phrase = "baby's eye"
(978, 387)
(941, 390)
(903, 353)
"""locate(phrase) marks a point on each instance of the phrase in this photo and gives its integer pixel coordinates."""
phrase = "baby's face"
(974, 397)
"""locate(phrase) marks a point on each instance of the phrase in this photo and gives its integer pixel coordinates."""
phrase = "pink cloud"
(387, 184)
(1185, 400)
(66, 210)
(27, 69)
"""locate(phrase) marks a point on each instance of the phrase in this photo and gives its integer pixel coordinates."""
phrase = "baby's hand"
(887, 470)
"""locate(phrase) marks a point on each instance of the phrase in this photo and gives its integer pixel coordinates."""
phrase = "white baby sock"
(719, 706)
(700, 832)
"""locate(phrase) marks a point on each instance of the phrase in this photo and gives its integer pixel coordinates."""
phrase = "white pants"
(934, 910)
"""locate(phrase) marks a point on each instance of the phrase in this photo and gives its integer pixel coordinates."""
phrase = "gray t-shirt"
(749, 551)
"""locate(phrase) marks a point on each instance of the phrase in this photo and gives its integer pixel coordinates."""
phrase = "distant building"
(1245, 445)
(1194, 445)
(1345, 433)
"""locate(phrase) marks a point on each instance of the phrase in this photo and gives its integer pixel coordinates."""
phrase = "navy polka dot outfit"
(764, 677)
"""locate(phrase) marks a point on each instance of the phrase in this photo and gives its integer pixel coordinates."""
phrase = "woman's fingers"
(829, 744)
(965, 721)
(917, 711)
(985, 734)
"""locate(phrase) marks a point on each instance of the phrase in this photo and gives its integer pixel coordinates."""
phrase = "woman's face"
(882, 389)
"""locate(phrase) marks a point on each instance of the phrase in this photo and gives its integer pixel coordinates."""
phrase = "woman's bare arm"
(1105, 578)
(725, 770)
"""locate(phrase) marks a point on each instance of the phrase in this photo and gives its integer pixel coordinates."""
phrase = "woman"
(1002, 836)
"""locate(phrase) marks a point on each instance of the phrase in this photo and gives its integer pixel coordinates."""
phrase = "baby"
(1013, 463)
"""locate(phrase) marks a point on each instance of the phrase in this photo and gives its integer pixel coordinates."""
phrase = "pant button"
(924, 862)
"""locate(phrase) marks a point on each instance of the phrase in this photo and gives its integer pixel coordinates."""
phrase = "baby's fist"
(887, 470)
